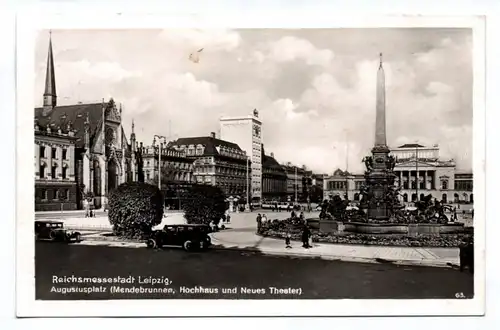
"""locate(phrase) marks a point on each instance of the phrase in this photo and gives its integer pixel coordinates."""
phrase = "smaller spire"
(133, 125)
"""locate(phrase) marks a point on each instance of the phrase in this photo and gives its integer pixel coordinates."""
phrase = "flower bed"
(278, 229)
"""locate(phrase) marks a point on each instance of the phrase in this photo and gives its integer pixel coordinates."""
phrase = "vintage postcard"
(325, 168)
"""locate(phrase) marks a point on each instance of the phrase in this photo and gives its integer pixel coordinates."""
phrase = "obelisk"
(380, 137)
(379, 176)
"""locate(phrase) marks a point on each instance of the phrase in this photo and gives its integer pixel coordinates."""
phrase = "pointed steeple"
(50, 95)
(380, 134)
(133, 142)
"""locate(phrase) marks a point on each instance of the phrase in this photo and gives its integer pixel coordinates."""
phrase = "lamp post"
(417, 177)
(159, 157)
(295, 185)
(248, 186)
(346, 166)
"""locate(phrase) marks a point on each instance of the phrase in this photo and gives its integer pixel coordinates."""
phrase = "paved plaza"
(241, 235)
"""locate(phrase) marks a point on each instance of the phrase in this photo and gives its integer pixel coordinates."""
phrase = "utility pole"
(160, 137)
(295, 184)
(248, 187)
(417, 177)
(346, 169)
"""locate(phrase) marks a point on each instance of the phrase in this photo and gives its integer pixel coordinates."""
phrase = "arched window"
(444, 184)
(457, 198)
(405, 198)
(64, 172)
(422, 196)
(413, 197)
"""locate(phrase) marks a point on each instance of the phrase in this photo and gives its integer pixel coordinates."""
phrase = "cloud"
(212, 39)
(289, 49)
(315, 91)
(109, 71)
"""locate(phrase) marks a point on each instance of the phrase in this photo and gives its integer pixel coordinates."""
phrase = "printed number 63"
(459, 295)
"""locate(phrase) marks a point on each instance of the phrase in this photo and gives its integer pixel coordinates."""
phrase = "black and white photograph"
(240, 164)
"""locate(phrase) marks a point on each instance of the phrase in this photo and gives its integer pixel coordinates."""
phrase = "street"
(244, 275)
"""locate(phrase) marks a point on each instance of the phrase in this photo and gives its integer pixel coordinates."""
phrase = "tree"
(204, 204)
(135, 208)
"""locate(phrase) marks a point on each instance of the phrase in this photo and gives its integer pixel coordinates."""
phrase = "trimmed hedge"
(134, 209)
(205, 204)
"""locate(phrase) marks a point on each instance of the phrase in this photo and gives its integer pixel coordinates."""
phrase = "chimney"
(272, 154)
(212, 135)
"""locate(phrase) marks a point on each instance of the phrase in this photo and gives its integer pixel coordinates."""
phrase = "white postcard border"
(27, 306)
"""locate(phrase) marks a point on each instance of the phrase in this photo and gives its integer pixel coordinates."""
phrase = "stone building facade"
(176, 167)
(55, 181)
(246, 132)
(102, 157)
(217, 162)
(419, 171)
(274, 179)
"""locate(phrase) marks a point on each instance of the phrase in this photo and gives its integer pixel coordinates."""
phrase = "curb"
(423, 262)
(218, 245)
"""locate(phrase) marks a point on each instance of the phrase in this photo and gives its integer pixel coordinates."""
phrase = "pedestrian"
(302, 216)
(288, 239)
(305, 237)
(228, 218)
(264, 218)
(292, 215)
(259, 222)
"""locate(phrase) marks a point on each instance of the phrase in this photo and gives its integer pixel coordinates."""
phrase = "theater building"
(419, 172)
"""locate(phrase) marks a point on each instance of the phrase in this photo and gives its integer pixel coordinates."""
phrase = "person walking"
(259, 222)
(288, 239)
(264, 218)
(305, 237)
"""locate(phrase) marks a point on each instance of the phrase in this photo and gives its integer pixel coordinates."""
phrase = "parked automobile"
(189, 237)
(49, 230)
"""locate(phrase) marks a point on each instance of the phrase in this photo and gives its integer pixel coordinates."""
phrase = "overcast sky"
(314, 89)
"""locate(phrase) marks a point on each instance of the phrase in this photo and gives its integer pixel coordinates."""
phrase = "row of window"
(54, 194)
(53, 152)
(53, 172)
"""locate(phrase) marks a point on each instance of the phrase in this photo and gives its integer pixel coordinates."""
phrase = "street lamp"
(159, 157)
(296, 185)
(248, 186)
(417, 177)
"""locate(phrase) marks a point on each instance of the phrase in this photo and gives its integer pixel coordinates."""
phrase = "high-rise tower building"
(246, 131)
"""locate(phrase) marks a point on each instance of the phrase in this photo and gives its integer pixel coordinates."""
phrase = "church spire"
(50, 96)
(380, 135)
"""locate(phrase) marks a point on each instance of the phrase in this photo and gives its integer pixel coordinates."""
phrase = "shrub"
(134, 208)
(205, 204)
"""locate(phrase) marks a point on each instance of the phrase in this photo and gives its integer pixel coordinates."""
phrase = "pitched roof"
(411, 145)
(209, 142)
(60, 116)
(269, 161)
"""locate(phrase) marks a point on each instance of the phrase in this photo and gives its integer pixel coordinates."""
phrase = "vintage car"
(189, 237)
(49, 230)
